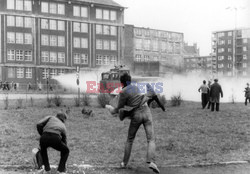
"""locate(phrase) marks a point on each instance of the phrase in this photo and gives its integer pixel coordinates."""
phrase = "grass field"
(184, 135)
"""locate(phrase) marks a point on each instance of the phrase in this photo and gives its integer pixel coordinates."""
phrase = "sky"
(197, 19)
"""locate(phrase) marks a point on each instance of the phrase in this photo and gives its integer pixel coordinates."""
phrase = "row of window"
(106, 30)
(145, 58)
(19, 72)
(52, 40)
(19, 38)
(53, 57)
(244, 65)
(19, 55)
(222, 34)
(52, 8)
(80, 58)
(106, 45)
(80, 27)
(80, 42)
(221, 50)
(19, 21)
(106, 59)
(222, 57)
(106, 14)
(222, 42)
(51, 72)
(53, 24)
(23, 5)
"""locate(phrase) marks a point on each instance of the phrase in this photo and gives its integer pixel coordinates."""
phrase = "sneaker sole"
(154, 170)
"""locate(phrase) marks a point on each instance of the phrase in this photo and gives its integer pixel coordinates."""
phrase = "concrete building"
(191, 50)
(198, 65)
(231, 52)
(44, 38)
(152, 52)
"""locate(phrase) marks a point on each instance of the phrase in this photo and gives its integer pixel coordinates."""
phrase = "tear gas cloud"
(185, 85)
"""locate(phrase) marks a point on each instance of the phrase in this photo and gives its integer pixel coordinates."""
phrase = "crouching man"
(53, 134)
(139, 115)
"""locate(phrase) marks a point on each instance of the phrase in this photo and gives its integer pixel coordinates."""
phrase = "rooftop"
(104, 2)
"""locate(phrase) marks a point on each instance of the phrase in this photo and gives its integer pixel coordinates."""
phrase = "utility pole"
(77, 81)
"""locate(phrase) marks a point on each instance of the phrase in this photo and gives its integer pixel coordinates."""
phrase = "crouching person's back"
(53, 134)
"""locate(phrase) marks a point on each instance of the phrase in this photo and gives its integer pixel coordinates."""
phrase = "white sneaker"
(123, 165)
(154, 167)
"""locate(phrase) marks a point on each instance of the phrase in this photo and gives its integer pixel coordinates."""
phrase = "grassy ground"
(184, 135)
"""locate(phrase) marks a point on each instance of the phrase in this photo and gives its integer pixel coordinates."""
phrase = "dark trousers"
(155, 98)
(247, 98)
(217, 106)
(54, 141)
(204, 100)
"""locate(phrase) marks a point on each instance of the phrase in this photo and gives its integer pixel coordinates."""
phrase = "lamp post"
(77, 81)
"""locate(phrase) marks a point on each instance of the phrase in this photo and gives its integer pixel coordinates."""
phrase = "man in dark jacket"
(247, 94)
(215, 93)
(131, 97)
(53, 134)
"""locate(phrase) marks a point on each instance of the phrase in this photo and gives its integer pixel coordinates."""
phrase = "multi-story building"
(43, 38)
(190, 50)
(152, 52)
(231, 52)
(201, 65)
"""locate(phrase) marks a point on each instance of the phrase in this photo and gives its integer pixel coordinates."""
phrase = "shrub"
(19, 103)
(103, 99)
(58, 100)
(176, 100)
(6, 103)
(86, 100)
(77, 102)
(49, 102)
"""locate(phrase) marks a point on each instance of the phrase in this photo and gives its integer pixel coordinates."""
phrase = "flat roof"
(104, 2)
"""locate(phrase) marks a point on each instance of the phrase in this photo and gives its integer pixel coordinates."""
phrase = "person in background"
(204, 94)
(247, 94)
(53, 134)
(153, 97)
(215, 93)
(141, 115)
(209, 99)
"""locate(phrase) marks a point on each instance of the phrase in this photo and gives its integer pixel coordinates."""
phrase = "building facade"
(198, 65)
(231, 53)
(151, 52)
(40, 39)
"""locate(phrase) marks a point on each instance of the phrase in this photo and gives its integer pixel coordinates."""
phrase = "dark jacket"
(215, 92)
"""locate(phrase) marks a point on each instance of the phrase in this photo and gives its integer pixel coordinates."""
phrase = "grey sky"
(197, 19)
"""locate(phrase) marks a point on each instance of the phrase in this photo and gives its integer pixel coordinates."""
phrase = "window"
(11, 55)
(98, 13)
(244, 48)
(138, 44)
(84, 43)
(28, 55)
(52, 57)
(98, 29)
(45, 7)
(76, 58)
(221, 42)
(106, 45)
(27, 38)
(229, 57)
(52, 8)
(229, 50)
(106, 29)
(45, 56)
(11, 72)
(105, 60)
(84, 12)
(45, 40)
(146, 58)
(28, 73)
(11, 4)
(44, 23)
(220, 57)
(138, 57)
(147, 44)
(229, 65)
(84, 28)
(84, 58)
(245, 40)
(76, 27)
(229, 73)
(61, 25)
(98, 59)
(106, 14)
(164, 46)
(52, 24)
(27, 5)
(19, 21)
(244, 56)
(113, 15)
(220, 65)
(45, 73)
(53, 72)
(10, 37)
(113, 30)
(229, 42)
(53, 40)
(20, 73)
(113, 60)
(221, 50)
(19, 4)
(19, 38)
(76, 42)
(19, 55)
(113, 45)
(244, 65)
(10, 21)
(98, 44)
(230, 33)
(61, 41)
(221, 34)
(27, 22)
(155, 45)
(60, 71)
(61, 57)
(76, 11)
(61, 9)
(244, 73)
